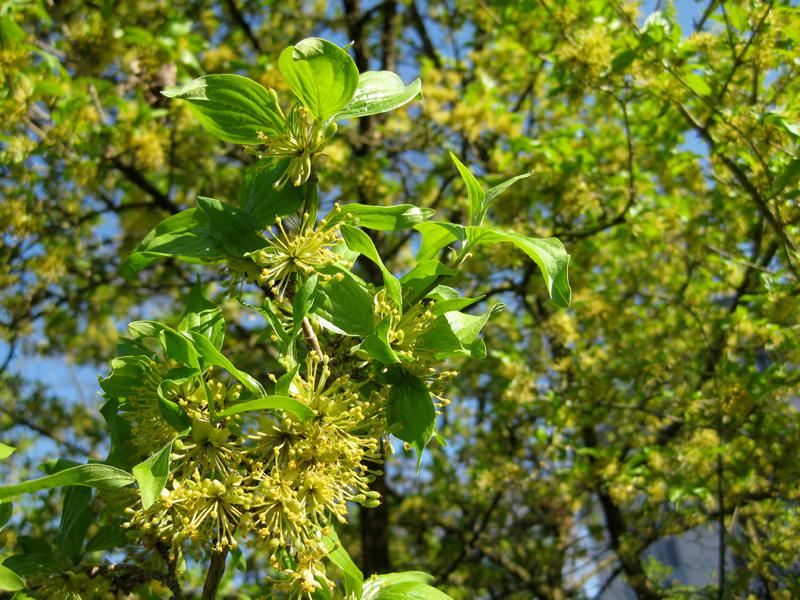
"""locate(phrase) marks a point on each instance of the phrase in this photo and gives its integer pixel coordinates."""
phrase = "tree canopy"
(662, 147)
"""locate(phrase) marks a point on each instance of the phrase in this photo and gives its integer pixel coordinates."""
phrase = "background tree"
(665, 156)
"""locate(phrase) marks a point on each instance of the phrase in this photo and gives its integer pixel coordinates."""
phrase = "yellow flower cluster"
(275, 480)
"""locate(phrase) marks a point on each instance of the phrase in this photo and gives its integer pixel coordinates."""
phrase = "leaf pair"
(320, 74)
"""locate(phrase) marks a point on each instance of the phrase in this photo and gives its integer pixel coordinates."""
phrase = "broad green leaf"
(186, 236)
(75, 520)
(410, 590)
(453, 304)
(381, 218)
(10, 581)
(424, 275)
(211, 356)
(297, 408)
(321, 74)
(32, 563)
(11, 34)
(178, 347)
(360, 242)
(127, 374)
(548, 253)
(234, 229)
(203, 316)
(303, 300)
(388, 579)
(102, 477)
(410, 413)
(475, 193)
(6, 512)
(697, 84)
(172, 413)
(120, 455)
(233, 108)
(262, 201)
(407, 584)
(376, 345)
(6, 451)
(379, 92)
(107, 538)
(353, 577)
(788, 175)
(435, 236)
(345, 306)
(152, 474)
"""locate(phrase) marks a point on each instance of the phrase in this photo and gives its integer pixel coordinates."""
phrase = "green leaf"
(32, 563)
(376, 345)
(233, 108)
(262, 201)
(788, 175)
(75, 520)
(120, 454)
(127, 374)
(475, 193)
(418, 279)
(203, 316)
(11, 34)
(410, 590)
(410, 412)
(6, 512)
(379, 92)
(211, 356)
(548, 253)
(172, 413)
(186, 236)
(404, 577)
(152, 474)
(407, 584)
(6, 451)
(322, 76)
(345, 306)
(303, 300)
(177, 347)
(10, 581)
(107, 538)
(297, 408)
(234, 229)
(495, 191)
(435, 236)
(381, 218)
(353, 577)
(360, 242)
(697, 84)
(102, 477)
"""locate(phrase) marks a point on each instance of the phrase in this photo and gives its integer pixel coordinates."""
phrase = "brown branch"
(137, 178)
(238, 17)
(419, 24)
(216, 569)
(470, 544)
(24, 421)
(311, 337)
(740, 176)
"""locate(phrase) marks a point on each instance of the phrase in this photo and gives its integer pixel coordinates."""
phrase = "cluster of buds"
(302, 142)
(304, 250)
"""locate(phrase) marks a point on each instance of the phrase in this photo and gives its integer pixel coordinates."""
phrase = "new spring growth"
(302, 249)
(302, 143)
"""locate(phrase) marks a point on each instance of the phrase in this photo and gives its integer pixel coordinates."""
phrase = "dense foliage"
(664, 151)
